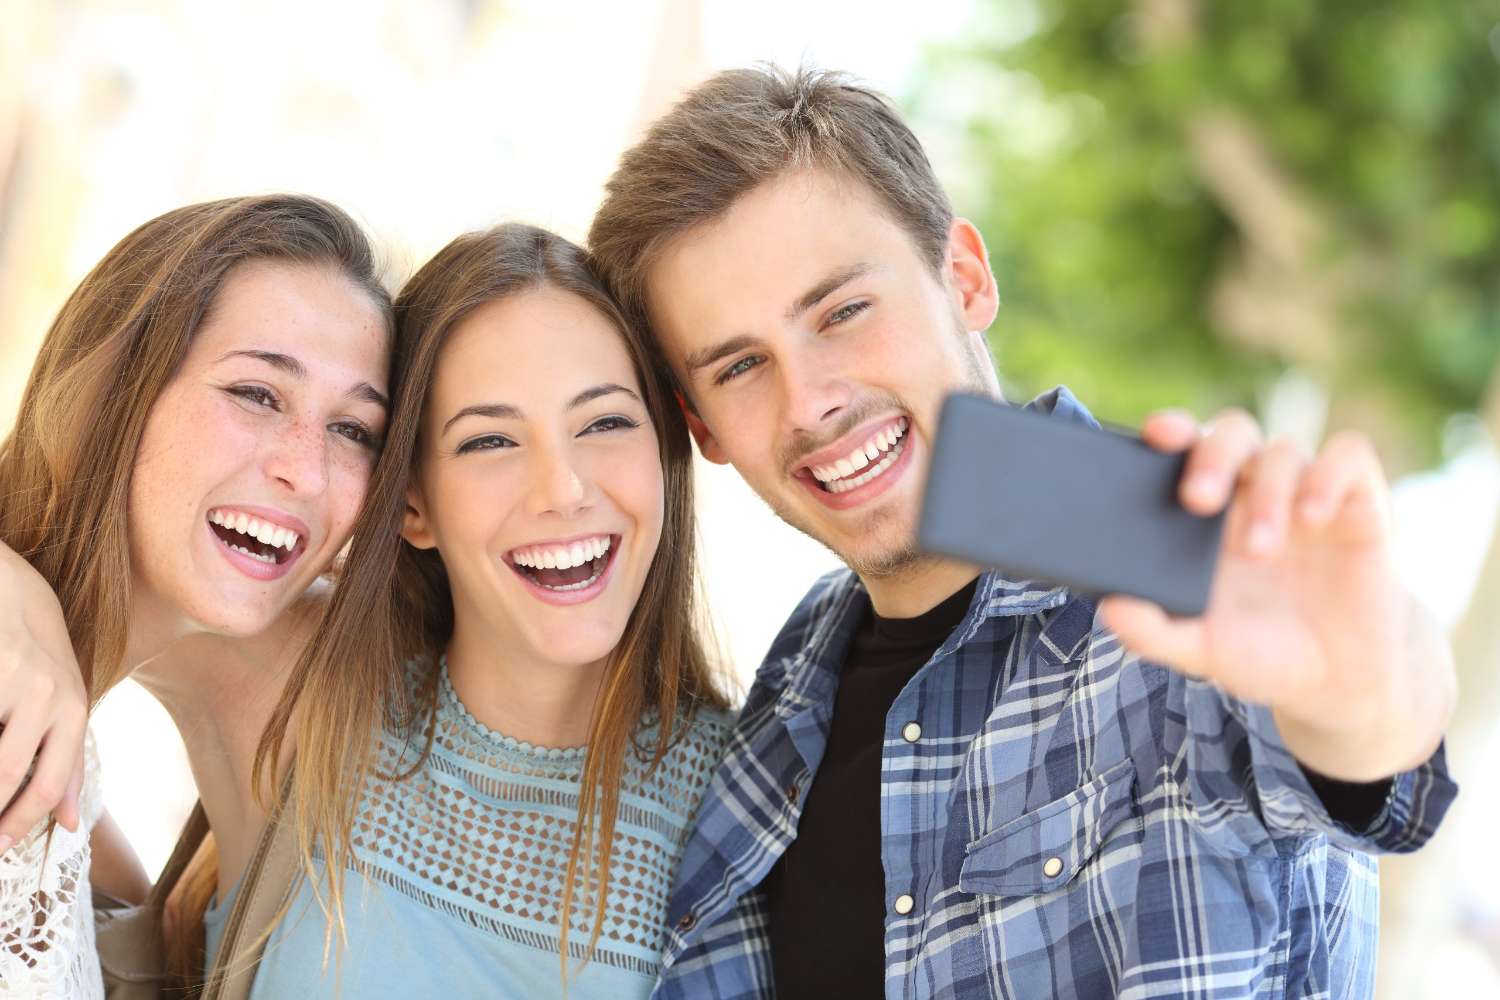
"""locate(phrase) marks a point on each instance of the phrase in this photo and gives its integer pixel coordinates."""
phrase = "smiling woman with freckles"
(192, 448)
(500, 807)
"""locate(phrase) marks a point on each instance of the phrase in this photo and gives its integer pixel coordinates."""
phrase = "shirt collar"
(812, 672)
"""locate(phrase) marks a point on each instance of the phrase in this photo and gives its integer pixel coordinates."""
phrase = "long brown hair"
(65, 468)
(393, 602)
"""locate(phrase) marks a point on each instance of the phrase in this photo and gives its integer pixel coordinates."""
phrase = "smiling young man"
(947, 783)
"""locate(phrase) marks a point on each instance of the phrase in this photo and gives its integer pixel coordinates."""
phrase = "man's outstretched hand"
(1307, 614)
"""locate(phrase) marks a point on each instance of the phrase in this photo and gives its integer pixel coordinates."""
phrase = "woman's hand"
(43, 705)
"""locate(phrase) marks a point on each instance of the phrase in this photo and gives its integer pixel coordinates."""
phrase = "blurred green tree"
(1184, 199)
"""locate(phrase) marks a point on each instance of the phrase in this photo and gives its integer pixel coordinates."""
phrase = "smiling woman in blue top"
(504, 728)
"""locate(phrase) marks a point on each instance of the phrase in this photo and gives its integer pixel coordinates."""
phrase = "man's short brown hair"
(740, 129)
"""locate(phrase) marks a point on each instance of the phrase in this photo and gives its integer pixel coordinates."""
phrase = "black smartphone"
(1064, 503)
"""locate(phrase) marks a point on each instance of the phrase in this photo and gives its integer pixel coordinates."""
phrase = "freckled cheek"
(349, 485)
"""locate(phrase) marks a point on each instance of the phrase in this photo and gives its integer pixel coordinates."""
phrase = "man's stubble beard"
(901, 558)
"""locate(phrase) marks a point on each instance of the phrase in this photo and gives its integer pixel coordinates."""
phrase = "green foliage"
(1073, 159)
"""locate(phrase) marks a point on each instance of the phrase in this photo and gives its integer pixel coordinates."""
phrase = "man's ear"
(414, 527)
(707, 443)
(977, 296)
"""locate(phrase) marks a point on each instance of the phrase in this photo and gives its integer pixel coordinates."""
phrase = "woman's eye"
(488, 442)
(257, 394)
(737, 369)
(611, 423)
(358, 433)
(848, 312)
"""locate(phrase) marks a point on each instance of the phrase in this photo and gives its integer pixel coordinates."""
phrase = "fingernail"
(5, 843)
(1262, 537)
(1203, 488)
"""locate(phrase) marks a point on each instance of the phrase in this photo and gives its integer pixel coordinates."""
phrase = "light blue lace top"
(458, 872)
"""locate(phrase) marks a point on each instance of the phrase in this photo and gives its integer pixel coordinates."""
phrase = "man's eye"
(848, 312)
(489, 442)
(737, 369)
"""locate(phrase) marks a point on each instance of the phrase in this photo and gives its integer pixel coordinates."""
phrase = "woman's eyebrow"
(498, 411)
(595, 392)
(296, 369)
(277, 360)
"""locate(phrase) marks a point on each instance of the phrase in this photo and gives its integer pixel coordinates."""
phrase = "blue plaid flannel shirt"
(1073, 822)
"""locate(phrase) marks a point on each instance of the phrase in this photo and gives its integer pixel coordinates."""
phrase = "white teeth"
(563, 556)
(845, 485)
(861, 457)
(579, 585)
(262, 531)
(267, 558)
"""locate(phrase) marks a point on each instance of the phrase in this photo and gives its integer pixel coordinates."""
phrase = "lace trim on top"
(450, 703)
(47, 907)
(482, 830)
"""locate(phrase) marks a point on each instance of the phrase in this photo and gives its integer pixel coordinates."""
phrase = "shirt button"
(904, 904)
(791, 794)
(911, 732)
(1052, 868)
(687, 922)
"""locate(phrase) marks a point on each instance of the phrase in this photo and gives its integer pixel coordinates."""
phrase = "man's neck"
(542, 703)
(919, 588)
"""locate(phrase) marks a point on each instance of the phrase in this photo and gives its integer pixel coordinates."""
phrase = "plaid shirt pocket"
(1044, 849)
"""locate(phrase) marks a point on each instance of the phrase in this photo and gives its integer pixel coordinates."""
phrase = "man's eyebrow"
(291, 366)
(717, 352)
(605, 389)
(499, 411)
(817, 293)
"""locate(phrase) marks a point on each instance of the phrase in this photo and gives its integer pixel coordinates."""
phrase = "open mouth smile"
(566, 572)
(256, 545)
(866, 471)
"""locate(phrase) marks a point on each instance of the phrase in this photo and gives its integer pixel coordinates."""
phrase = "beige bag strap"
(263, 893)
(193, 832)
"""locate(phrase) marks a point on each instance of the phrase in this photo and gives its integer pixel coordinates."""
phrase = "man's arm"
(1307, 614)
(42, 702)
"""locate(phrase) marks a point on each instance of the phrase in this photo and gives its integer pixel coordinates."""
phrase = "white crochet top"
(47, 909)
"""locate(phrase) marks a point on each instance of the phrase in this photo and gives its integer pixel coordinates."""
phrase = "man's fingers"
(1265, 492)
(1171, 431)
(1148, 631)
(1347, 482)
(1214, 463)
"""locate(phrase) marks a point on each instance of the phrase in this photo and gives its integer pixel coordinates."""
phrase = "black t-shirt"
(826, 895)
